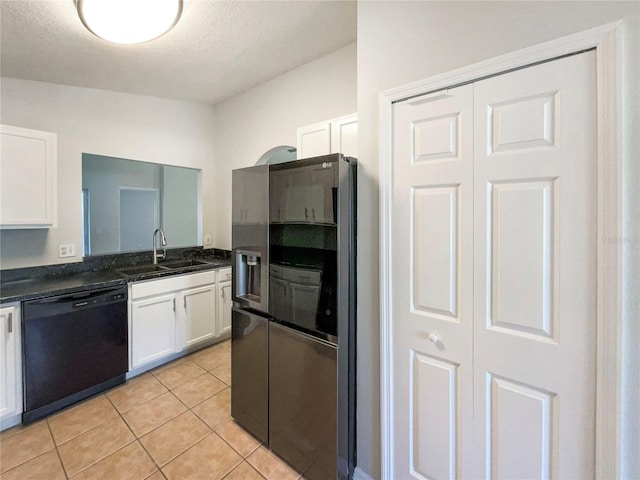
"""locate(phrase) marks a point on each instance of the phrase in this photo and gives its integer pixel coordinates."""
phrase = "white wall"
(267, 116)
(104, 123)
(401, 42)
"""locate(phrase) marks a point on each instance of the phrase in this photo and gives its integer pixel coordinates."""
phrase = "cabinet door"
(314, 140)
(279, 298)
(200, 314)
(298, 209)
(250, 201)
(304, 302)
(279, 188)
(321, 194)
(10, 366)
(28, 181)
(224, 308)
(344, 135)
(153, 329)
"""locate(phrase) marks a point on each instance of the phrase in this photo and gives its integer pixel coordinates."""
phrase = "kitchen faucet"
(163, 241)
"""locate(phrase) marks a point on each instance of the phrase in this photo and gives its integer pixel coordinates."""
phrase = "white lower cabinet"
(153, 329)
(10, 365)
(200, 314)
(224, 307)
(225, 301)
(172, 314)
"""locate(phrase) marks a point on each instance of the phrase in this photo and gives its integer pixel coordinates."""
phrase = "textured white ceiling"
(218, 49)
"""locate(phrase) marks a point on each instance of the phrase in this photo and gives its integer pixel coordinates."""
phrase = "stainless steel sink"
(137, 270)
(183, 263)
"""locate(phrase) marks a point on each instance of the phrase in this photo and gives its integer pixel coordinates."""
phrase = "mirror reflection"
(124, 201)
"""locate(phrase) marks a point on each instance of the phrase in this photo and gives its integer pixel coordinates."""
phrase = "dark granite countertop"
(40, 282)
(32, 288)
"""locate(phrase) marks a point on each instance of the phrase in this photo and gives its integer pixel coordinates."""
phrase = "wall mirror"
(124, 201)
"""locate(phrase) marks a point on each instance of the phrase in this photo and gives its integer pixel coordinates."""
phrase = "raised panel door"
(432, 286)
(344, 135)
(28, 183)
(200, 314)
(314, 140)
(535, 270)
(493, 277)
(153, 329)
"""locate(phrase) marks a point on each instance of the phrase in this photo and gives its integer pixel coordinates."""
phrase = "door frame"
(607, 41)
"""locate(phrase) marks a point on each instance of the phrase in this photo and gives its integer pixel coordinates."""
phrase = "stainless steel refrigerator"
(293, 321)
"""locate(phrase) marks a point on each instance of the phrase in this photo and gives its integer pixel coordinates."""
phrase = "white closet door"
(535, 271)
(432, 238)
(494, 277)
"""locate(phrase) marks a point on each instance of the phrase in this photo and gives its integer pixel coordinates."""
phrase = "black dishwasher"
(74, 346)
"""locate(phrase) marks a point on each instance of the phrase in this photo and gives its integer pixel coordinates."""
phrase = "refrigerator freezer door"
(250, 237)
(249, 375)
(302, 402)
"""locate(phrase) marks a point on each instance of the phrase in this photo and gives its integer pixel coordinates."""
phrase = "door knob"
(433, 338)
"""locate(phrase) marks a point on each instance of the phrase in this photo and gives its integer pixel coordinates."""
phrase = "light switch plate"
(67, 250)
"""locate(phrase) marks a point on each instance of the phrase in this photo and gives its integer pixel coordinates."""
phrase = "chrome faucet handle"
(163, 241)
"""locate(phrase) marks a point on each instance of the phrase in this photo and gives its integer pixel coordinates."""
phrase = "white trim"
(359, 474)
(609, 255)
(606, 40)
(386, 247)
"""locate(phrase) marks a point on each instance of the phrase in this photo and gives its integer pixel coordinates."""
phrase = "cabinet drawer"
(171, 284)
(224, 275)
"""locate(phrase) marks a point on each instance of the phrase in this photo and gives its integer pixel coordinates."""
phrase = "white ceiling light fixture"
(129, 21)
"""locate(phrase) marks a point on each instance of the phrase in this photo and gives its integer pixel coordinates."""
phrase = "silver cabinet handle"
(185, 302)
(306, 213)
(10, 322)
(174, 304)
(313, 214)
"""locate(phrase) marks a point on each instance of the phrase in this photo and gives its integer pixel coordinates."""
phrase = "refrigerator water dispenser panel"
(248, 272)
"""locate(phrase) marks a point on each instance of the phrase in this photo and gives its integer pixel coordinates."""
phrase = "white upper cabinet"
(314, 140)
(344, 135)
(339, 135)
(28, 184)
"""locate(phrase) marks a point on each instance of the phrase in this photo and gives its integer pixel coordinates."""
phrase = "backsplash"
(109, 262)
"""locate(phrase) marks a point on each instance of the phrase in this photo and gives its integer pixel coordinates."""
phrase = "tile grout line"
(55, 446)
(135, 436)
(212, 430)
(169, 390)
(115, 451)
(136, 439)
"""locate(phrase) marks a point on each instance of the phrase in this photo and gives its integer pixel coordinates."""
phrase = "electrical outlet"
(207, 239)
(67, 250)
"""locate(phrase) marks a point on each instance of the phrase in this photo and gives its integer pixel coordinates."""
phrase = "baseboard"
(359, 474)
(11, 421)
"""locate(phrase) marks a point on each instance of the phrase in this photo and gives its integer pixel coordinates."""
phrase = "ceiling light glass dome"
(129, 21)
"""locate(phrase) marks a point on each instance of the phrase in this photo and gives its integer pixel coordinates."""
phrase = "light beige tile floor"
(172, 423)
